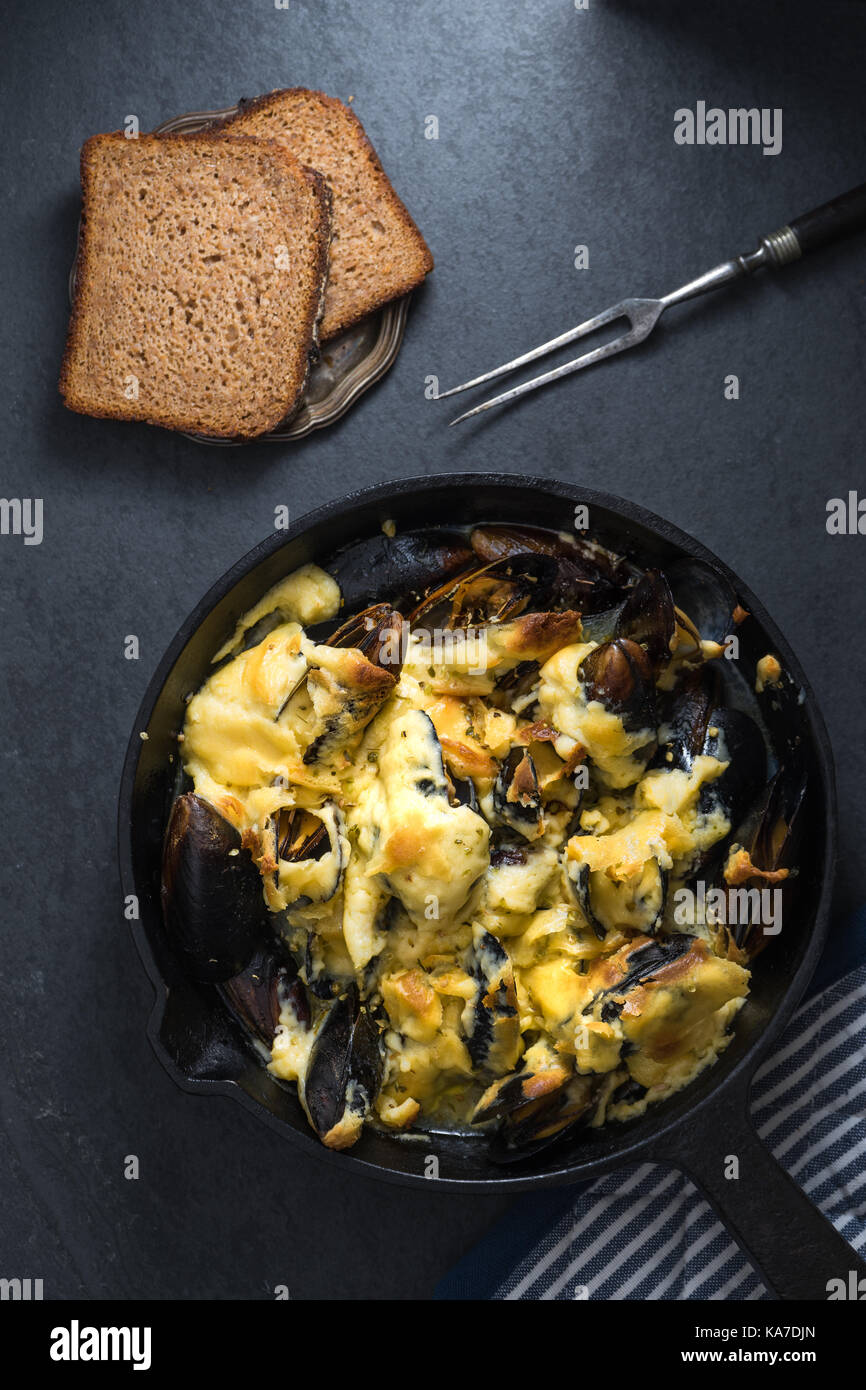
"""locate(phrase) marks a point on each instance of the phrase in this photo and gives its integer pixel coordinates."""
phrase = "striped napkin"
(646, 1233)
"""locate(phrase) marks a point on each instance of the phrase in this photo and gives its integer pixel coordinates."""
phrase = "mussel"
(211, 891)
(517, 796)
(705, 595)
(514, 688)
(641, 960)
(619, 675)
(306, 849)
(764, 853)
(686, 719)
(492, 593)
(463, 793)
(530, 1128)
(695, 725)
(587, 575)
(404, 565)
(345, 1071)
(648, 617)
(634, 904)
(628, 1092)
(559, 1111)
(262, 989)
(215, 912)
(502, 1096)
(347, 681)
(733, 737)
(375, 631)
(636, 964)
(491, 1023)
(533, 636)
(542, 1071)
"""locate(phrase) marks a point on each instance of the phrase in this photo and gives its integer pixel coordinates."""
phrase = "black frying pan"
(795, 1249)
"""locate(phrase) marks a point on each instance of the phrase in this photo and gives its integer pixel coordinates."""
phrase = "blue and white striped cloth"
(646, 1233)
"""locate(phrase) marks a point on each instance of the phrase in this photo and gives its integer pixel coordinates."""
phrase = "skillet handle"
(794, 1248)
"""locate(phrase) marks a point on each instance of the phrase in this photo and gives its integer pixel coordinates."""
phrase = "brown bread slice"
(201, 273)
(377, 252)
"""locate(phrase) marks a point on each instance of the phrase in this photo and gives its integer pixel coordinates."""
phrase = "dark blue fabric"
(483, 1270)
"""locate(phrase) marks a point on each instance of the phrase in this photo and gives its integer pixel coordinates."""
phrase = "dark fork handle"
(831, 221)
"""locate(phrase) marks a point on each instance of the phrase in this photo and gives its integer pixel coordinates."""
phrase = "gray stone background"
(556, 128)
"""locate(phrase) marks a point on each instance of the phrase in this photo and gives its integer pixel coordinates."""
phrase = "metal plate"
(348, 365)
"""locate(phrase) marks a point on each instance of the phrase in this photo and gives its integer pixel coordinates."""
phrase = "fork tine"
(627, 340)
(616, 311)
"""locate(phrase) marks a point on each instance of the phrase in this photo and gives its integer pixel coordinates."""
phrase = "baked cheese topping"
(490, 868)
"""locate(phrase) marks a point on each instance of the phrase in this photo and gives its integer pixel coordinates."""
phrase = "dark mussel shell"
(257, 995)
(212, 896)
(299, 834)
(518, 1089)
(696, 725)
(492, 1023)
(418, 559)
(778, 820)
(579, 877)
(583, 578)
(464, 793)
(706, 597)
(490, 593)
(619, 675)
(505, 1094)
(537, 1125)
(772, 835)
(516, 794)
(376, 632)
(644, 613)
(345, 1070)
(643, 962)
(403, 566)
(514, 684)
(734, 737)
(588, 576)
(686, 718)
(601, 626)
(499, 541)
(648, 617)
(430, 777)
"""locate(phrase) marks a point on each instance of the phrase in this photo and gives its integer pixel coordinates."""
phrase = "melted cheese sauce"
(414, 890)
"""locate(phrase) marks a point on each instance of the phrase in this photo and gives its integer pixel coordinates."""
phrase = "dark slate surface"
(556, 128)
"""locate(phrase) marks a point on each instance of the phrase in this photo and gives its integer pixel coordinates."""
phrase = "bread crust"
(87, 272)
(251, 105)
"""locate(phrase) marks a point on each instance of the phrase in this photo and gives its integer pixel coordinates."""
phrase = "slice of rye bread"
(201, 273)
(377, 252)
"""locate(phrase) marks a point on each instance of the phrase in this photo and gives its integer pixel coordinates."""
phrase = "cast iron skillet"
(795, 1249)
